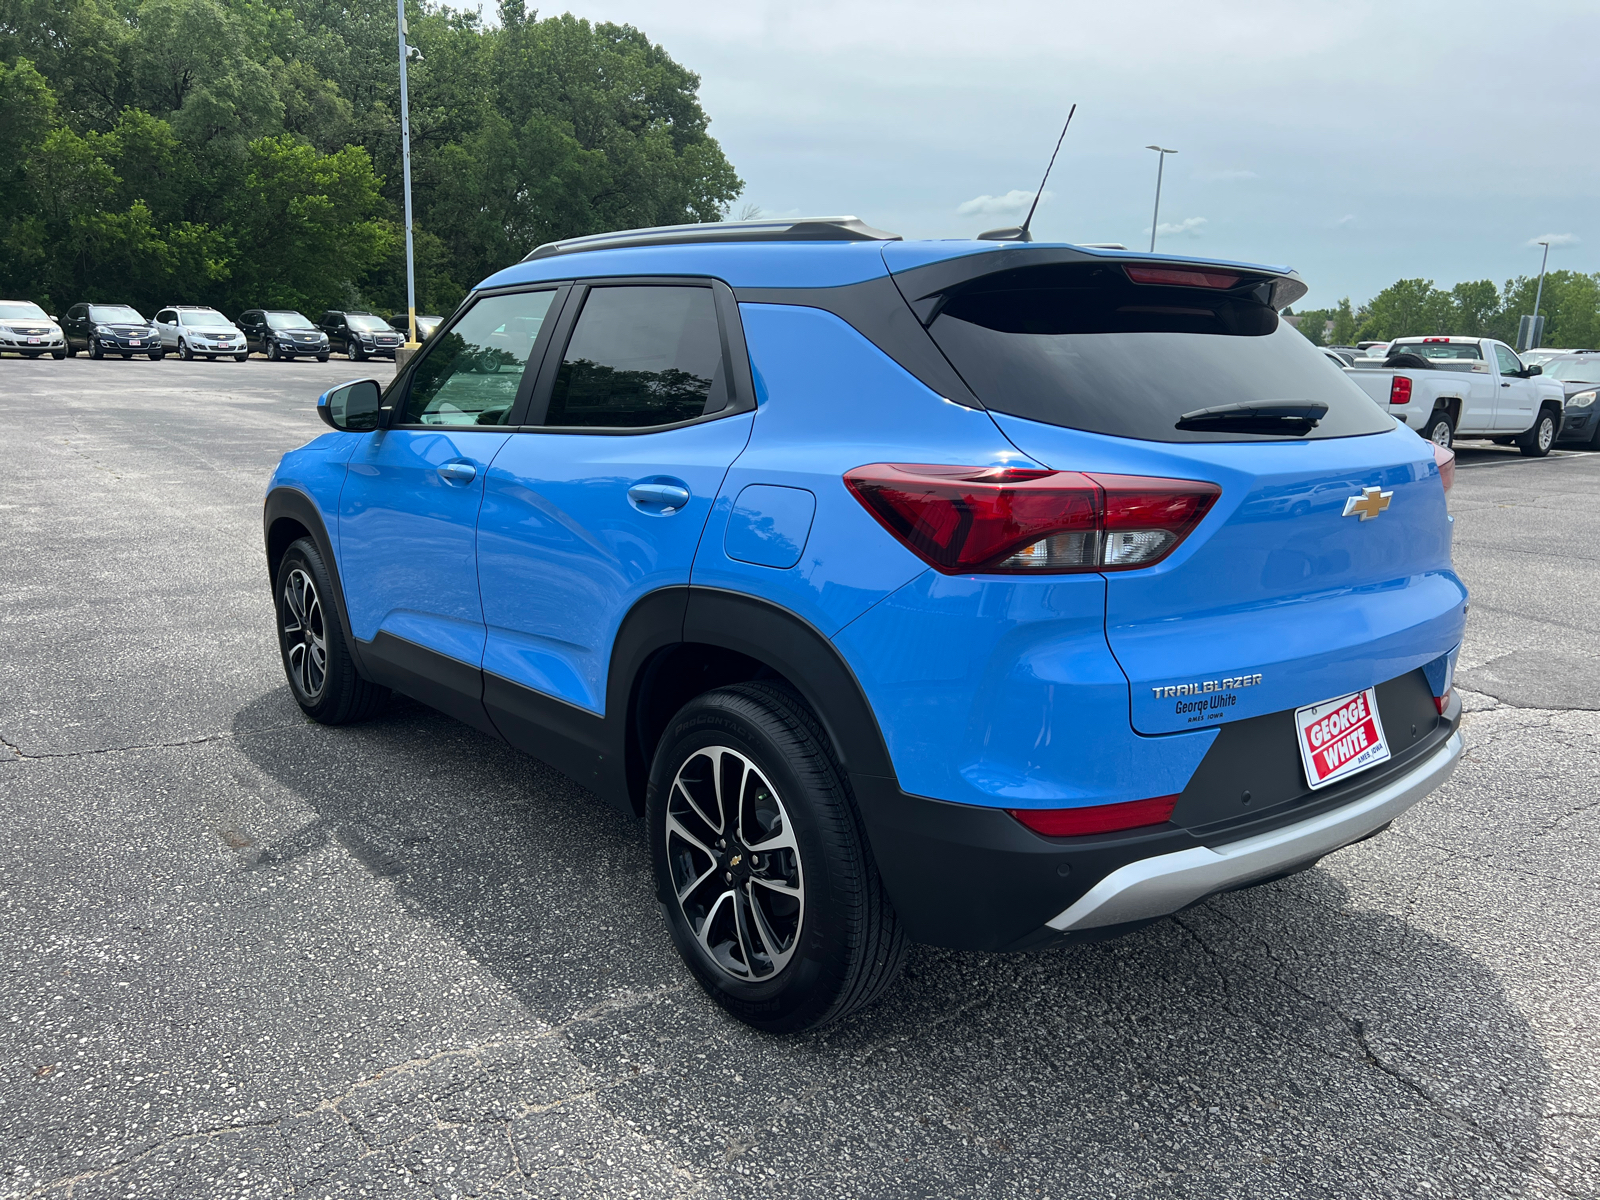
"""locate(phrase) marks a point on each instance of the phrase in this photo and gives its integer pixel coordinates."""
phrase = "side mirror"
(351, 407)
(1532, 371)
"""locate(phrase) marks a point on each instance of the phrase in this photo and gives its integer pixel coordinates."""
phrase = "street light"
(407, 52)
(1530, 331)
(1161, 161)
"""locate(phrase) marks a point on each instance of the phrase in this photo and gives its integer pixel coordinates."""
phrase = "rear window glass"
(1081, 345)
(1444, 351)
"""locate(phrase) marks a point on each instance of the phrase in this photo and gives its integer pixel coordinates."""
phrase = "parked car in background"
(195, 331)
(361, 335)
(1340, 357)
(1542, 355)
(283, 333)
(110, 328)
(425, 325)
(28, 330)
(1038, 593)
(1450, 387)
(1579, 376)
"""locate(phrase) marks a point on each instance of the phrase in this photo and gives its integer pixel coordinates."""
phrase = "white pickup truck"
(1471, 387)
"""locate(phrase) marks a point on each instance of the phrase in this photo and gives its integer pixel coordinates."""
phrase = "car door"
(1517, 401)
(640, 410)
(73, 326)
(251, 325)
(167, 328)
(408, 512)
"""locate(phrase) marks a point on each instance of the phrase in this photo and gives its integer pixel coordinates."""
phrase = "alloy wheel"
(1441, 434)
(305, 634)
(735, 864)
(1547, 432)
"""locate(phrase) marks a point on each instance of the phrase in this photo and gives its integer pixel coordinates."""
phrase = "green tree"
(1570, 304)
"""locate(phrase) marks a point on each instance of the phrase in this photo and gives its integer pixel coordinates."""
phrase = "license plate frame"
(1341, 737)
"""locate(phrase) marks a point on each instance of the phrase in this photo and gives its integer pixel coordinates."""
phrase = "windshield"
(288, 320)
(1438, 350)
(1575, 370)
(201, 317)
(115, 314)
(367, 323)
(1083, 346)
(21, 310)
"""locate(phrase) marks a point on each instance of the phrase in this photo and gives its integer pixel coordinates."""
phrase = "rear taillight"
(1400, 390)
(1446, 460)
(1181, 277)
(964, 520)
(1096, 818)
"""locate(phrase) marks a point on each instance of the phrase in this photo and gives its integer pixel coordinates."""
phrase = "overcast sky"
(1358, 142)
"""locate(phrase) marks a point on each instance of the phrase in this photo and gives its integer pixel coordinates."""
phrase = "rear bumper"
(971, 877)
(1155, 887)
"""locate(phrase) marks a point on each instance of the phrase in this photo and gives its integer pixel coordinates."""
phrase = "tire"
(184, 352)
(58, 355)
(322, 358)
(1439, 431)
(157, 355)
(273, 353)
(353, 352)
(245, 357)
(95, 352)
(69, 352)
(316, 660)
(820, 940)
(1537, 441)
(211, 358)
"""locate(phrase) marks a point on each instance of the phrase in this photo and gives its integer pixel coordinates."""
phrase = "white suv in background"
(193, 331)
(29, 330)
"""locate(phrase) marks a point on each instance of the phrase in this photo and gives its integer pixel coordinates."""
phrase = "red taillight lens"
(1446, 460)
(1096, 818)
(1181, 277)
(962, 520)
(1400, 390)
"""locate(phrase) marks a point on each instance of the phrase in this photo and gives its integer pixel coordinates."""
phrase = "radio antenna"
(1020, 233)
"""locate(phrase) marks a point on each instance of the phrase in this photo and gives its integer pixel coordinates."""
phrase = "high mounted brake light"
(1400, 390)
(1022, 520)
(1182, 277)
(1096, 818)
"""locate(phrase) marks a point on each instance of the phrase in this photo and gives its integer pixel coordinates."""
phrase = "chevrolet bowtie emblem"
(734, 861)
(1369, 504)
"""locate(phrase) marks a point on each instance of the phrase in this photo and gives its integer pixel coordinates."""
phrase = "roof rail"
(786, 229)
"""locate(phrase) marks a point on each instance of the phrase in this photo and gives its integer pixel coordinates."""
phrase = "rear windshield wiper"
(1294, 418)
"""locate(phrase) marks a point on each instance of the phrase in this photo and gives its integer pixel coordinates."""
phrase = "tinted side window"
(1505, 360)
(640, 356)
(470, 375)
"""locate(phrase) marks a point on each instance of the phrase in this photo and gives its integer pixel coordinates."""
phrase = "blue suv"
(984, 594)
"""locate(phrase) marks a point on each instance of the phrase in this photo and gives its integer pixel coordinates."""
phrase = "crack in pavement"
(622, 1002)
(197, 741)
(1358, 1032)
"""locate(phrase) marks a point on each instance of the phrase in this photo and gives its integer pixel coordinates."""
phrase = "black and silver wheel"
(273, 353)
(95, 351)
(762, 865)
(316, 658)
(352, 351)
(71, 351)
(1537, 441)
(184, 352)
(1439, 430)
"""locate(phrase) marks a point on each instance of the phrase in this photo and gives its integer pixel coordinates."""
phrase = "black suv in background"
(110, 328)
(282, 333)
(361, 335)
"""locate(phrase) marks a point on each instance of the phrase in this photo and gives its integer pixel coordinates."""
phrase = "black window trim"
(398, 392)
(735, 357)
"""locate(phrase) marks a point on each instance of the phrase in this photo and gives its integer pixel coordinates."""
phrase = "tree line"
(244, 153)
(1415, 307)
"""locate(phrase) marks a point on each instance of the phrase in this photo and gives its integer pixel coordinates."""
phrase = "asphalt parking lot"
(245, 955)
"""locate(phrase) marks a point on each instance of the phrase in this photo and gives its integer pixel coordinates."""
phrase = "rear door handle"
(664, 497)
(459, 472)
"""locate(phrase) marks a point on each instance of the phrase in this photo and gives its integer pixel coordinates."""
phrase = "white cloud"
(1188, 227)
(1556, 239)
(1347, 219)
(1224, 176)
(1014, 201)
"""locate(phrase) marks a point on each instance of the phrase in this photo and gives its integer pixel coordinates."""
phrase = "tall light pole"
(405, 158)
(1161, 161)
(1538, 293)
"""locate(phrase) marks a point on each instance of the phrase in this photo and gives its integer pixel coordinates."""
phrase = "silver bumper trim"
(1155, 887)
